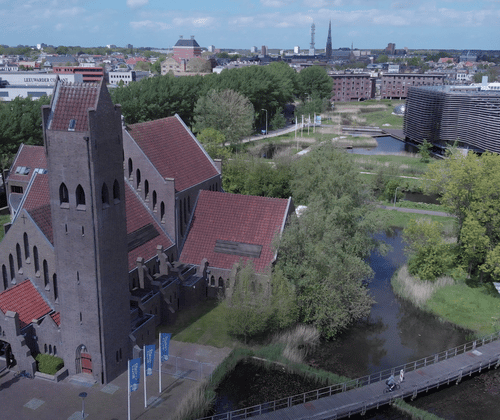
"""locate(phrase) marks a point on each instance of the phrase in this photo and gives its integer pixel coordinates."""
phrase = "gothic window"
(221, 282)
(130, 168)
(80, 197)
(5, 279)
(26, 247)
(155, 198)
(46, 275)
(63, 196)
(54, 284)
(212, 281)
(19, 257)
(36, 260)
(105, 195)
(162, 212)
(138, 178)
(146, 189)
(116, 192)
(12, 269)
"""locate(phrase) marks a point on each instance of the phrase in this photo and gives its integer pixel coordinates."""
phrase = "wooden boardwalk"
(367, 393)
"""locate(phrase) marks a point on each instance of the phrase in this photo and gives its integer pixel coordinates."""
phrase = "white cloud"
(150, 25)
(134, 4)
(273, 3)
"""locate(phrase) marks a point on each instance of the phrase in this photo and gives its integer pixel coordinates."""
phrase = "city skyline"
(278, 24)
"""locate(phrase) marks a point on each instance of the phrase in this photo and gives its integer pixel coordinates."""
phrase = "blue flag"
(149, 359)
(164, 345)
(134, 367)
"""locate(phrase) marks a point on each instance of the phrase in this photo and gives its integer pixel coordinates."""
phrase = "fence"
(369, 379)
(185, 368)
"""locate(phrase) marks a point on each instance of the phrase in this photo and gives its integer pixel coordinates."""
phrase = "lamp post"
(395, 192)
(266, 118)
(82, 395)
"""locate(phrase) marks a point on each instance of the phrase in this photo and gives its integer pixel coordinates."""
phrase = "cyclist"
(391, 382)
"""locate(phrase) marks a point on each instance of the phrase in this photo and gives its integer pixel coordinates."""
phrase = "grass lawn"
(470, 308)
(401, 220)
(4, 218)
(203, 324)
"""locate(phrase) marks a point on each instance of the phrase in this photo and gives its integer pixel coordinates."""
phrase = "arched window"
(221, 282)
(12, 269)
(36, 260)
(80, 197)
(146, 189)
(46, 275)
(212, 281)
(19, 257)
(162, 212)
(155, 198)
(55, 350)
(138, 179)
(189, 204)
(105, 195)
(50, 348)
(26, 247)
(5, 278)
(116, 192)
(54, 284)
(130, 168)
(45, 348)
(63, 195)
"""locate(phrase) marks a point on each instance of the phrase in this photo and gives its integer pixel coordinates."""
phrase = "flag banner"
(134, 374)
(164, 345)
(149, 359)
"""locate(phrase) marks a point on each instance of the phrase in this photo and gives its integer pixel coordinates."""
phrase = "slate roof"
(235, 218)
(71, 101)
(37, 204)
(26, 301)
(174, 151)
(29, 157)
(187, 43)
(138, 217)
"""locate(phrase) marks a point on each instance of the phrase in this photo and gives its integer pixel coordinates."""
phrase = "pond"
(387, 145)
(394, 333)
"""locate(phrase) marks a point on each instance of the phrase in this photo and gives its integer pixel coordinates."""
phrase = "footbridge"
(366, 393)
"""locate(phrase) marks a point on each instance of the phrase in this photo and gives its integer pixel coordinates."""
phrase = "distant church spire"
(328, 49)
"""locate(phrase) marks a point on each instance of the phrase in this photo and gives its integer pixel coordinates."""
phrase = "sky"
(365, 24)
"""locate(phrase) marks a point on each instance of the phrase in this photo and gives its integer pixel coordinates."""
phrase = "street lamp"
(266, 118)
(82, 395)
(395, 192)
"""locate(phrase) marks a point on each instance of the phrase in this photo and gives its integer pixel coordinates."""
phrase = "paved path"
(419, 211)
(38, 399)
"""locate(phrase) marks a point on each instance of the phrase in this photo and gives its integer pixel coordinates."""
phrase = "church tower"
(84, 147)
(328, 50)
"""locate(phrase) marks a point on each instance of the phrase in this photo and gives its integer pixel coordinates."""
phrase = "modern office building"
(444, 115)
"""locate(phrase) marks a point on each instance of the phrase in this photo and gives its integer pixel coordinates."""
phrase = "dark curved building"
(445, 114)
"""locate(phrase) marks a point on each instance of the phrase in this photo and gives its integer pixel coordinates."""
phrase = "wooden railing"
(367, 380)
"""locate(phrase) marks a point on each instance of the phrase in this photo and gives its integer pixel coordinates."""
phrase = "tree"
(213, 142)
(156, 66)
(226, 111)
(248, 305)
(424, 151)
(382, 58)
(142, 66)
(323, 252)
(314, 83)
(199, 65)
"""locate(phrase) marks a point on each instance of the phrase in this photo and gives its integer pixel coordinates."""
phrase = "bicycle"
(391, 388)
(23, 374)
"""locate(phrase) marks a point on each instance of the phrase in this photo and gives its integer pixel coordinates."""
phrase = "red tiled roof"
(30, 157)
(37, 204)
(236, 218)
(138, 216)
(168, 144)
(72, 101)
(56, 316)
(26, 301)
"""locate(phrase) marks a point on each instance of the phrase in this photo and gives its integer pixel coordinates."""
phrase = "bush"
(49, 364)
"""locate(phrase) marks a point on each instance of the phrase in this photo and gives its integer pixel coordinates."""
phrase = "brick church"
(114, 230)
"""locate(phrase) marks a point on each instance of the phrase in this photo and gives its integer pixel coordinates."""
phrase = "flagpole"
(128, 389)
(159, 363)
(144, 363)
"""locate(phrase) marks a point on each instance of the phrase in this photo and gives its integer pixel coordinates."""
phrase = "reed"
(413, 412)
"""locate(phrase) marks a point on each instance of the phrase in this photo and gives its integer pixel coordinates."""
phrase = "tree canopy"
(314, 83)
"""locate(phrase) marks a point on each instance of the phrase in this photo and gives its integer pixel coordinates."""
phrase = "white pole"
(128, 388)
(308, 125)
(314, 126)
(296, 133)
(144, 363)
(159, 363)
(302, 127)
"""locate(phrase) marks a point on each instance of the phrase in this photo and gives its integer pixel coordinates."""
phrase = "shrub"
(49, 364)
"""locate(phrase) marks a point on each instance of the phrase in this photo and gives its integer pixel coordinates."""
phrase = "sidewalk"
(38, 399)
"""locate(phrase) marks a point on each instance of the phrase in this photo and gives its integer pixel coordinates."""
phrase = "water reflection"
(386, 145)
